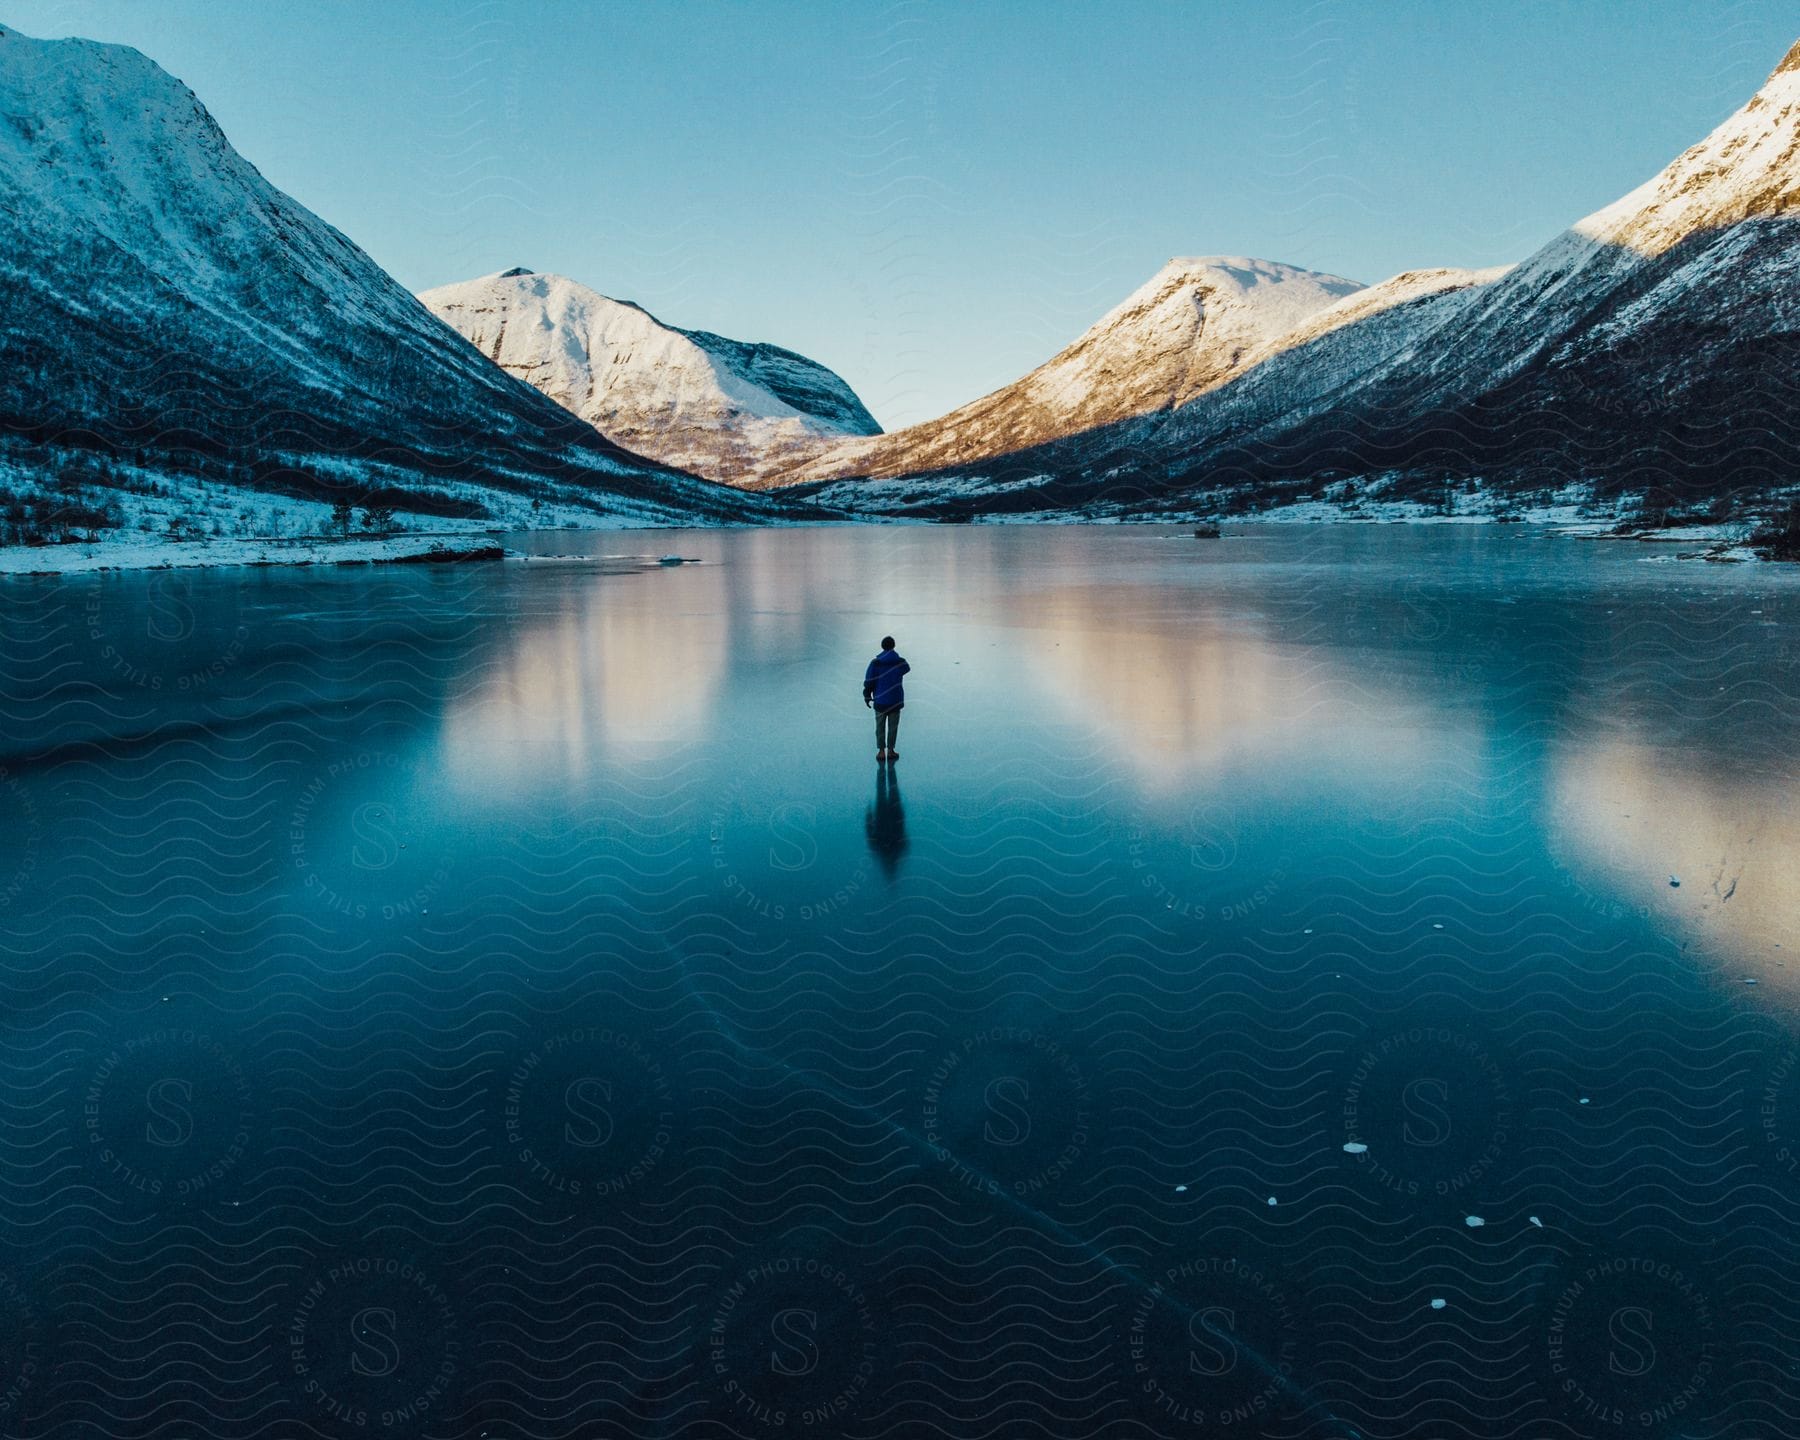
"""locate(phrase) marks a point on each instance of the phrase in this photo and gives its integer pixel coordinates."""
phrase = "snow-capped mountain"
(1190, 328)
(721, 408)
(172, 320)
(1705, 236)
(1307, 369)
(1651, 350)
(169, 313)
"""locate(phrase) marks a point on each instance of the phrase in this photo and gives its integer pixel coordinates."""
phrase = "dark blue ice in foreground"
(511, 997)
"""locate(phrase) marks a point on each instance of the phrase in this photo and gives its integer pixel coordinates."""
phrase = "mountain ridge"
(724, 408)
(1647, 351)
(171, 313)
(1183, 331)
(172, 317)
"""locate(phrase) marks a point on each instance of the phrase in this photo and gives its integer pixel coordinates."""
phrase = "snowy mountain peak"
(1747, 168)
(1182, 332)
(517, 270)
(169, 311)
(1213, 309)
(1242, 273)
(1271, 288)
(721, 407)
(1667, 316)
(1189, 328)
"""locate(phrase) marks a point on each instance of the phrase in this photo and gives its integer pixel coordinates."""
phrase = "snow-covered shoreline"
(159, 554)
(152, 552)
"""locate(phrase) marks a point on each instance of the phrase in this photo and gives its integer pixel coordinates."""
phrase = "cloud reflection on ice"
(1628, 815)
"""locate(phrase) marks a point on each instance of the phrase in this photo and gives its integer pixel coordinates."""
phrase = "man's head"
(887, 642)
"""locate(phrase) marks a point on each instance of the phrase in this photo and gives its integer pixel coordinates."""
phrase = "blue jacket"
(882, 681)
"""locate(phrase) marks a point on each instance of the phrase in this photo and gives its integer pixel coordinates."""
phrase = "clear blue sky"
(933, 197)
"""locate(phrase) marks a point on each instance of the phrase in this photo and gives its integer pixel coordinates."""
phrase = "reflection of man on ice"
(886, 822)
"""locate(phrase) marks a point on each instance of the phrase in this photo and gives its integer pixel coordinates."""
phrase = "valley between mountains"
(190, 355)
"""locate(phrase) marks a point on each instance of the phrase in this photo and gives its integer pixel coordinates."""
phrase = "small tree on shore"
(378, 519)
(1779, 537)
(343, 515)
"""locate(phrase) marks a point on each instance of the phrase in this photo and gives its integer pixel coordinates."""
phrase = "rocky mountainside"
(721, 408)
(172, 318)
(1192, 327)
(1650, 354)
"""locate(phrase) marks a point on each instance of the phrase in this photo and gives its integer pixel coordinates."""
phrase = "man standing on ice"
(882, 691)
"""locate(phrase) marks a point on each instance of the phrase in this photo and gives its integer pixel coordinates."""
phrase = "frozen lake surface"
(1323, 982)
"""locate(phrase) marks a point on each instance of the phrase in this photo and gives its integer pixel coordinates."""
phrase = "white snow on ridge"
(1713, 195)
(1310, 366)
(719, 407)
(1402, 289)
(1626, 313)
(153, 284)
(1749, 166)
(1440, 338)
(1223, 308)
(1183, 331)
(110, 145)
(1190, 328)
(151, 273)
